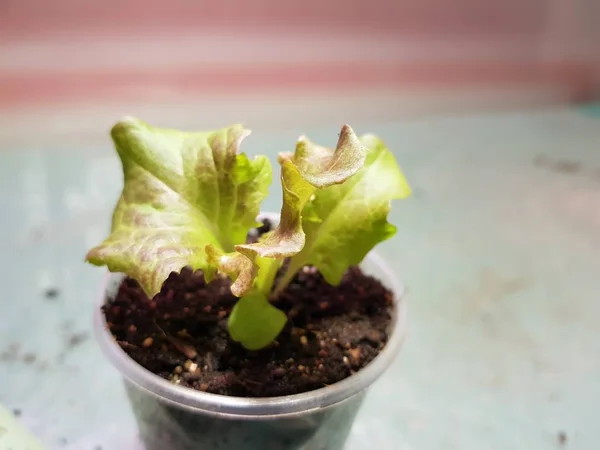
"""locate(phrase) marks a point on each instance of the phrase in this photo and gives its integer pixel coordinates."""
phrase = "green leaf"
(182, 191)
(254, 322)
(301, 177)
(344, 222)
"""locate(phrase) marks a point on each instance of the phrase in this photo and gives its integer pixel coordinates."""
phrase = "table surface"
(498, 247)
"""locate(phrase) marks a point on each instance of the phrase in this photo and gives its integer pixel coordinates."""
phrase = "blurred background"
(491, 109)
(393, 58)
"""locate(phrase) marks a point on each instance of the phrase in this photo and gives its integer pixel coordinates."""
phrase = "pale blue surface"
(499, 249)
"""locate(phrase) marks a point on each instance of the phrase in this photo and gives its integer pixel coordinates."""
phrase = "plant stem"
(288, 276)
(267, 272)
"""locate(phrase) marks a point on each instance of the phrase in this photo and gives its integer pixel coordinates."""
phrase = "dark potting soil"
(181, 334)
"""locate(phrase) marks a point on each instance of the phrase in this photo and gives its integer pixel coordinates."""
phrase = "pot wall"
(166, 426)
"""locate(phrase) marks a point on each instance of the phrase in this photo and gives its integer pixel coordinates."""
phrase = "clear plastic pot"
(172, 417)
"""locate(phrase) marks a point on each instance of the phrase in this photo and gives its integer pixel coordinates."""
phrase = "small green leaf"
(344, 222)
(254, 322)
(318, 168)
(182, 191)
(243, 271)
(236, 266)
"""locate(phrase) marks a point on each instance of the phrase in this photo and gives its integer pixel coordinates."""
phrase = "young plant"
(190, 199)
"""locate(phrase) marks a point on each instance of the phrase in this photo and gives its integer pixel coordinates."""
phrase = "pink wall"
(416, 17)
(67, 49)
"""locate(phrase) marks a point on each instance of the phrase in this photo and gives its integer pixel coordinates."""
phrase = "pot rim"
(247, 407)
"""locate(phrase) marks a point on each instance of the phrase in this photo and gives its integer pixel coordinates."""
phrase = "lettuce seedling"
(190, 199)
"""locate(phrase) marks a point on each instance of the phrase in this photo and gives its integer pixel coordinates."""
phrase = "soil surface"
(181, 334)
